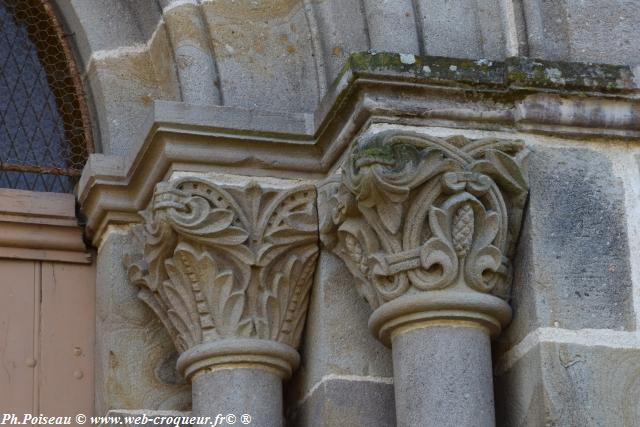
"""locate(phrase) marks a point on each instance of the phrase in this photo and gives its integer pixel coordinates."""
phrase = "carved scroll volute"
(227, 263)
(412, 214)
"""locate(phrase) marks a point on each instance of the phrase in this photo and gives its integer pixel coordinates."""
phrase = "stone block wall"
(570, 357)
(345, 372)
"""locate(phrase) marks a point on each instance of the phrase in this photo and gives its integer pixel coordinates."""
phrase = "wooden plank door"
(18, 300)
(67, 326)
(46, 338)
(47, 308)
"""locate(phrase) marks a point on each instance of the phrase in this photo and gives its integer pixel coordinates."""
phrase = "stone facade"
(293, 223)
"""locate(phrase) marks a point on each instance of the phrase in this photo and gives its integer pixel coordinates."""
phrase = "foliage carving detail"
(413, 213)
(223, 262)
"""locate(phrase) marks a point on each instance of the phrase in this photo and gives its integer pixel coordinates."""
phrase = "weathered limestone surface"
(572, 268)
(583, 30)
(108, 24)
(188, 32)
(518, 95)
(462, 29)
(339, 29)
(571, 385)
(334, 339)
(264, 52)
(392, 26)
(123, 89)
(135, 359)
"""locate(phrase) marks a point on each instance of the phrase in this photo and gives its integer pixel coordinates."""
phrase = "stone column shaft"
(443, 376)
(241, 391)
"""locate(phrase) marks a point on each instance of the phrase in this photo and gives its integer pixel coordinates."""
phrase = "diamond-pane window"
(44, 129)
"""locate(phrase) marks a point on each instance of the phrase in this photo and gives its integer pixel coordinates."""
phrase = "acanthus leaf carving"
(223, 262)
(413, 213)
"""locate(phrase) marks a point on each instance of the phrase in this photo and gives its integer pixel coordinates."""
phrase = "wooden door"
(47, 314)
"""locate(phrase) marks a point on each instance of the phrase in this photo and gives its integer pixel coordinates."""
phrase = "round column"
(441, 343)
(251, 391)
(443, 376)
(239, 377)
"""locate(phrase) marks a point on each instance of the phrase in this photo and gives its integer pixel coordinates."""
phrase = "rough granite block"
(337, 340)
(572, 266)
(558, 384)
(347, 403)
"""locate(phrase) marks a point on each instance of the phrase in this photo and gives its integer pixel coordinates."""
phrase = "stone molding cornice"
(228, 268)
(40, 226)
(428, 226)
(570, 99)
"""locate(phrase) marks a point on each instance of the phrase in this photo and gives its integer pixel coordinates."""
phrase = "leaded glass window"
(44, 131)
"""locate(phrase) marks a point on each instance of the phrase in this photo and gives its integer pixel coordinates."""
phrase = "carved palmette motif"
(227, 262)
(414, 213)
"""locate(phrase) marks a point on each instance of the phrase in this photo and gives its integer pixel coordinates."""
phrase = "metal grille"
(44, 131)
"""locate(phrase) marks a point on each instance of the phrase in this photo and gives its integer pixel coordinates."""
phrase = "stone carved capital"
(228, 271)
(428, 223)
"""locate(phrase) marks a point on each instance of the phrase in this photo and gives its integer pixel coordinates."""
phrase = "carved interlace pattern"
(227, 262)
(415, 213)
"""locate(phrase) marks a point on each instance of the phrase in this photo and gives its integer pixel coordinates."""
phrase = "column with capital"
(228, 270)
(428, 227)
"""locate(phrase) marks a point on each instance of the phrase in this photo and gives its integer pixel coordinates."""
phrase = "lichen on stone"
(517, 72)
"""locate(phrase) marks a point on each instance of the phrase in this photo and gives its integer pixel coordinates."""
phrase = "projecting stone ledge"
(512, 73)
(545, 97)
